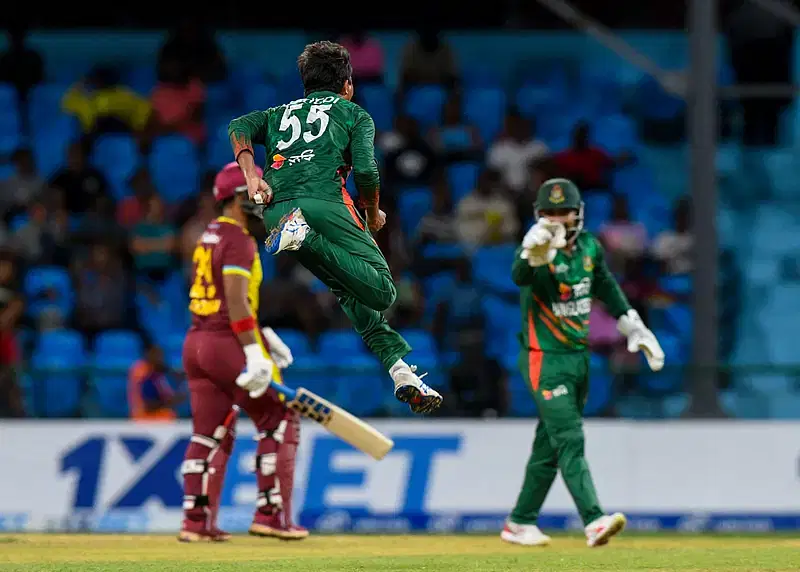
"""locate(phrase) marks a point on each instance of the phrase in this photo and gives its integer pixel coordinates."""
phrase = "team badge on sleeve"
(588, 263)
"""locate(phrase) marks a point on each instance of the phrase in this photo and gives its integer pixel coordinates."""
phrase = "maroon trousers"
(212, 361)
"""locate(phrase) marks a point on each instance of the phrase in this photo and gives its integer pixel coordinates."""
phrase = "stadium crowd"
(95, 245)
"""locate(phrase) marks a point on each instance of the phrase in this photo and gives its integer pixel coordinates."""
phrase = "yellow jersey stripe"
(236, 270)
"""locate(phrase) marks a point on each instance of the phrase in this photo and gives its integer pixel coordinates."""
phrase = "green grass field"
(93, 553)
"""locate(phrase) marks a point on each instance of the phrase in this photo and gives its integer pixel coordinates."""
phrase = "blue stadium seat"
(485, 108)
(296, 340)
(535, 100)
(440, 250)
(437, 288)
(122, 343)
(747, 405)
(142, 79)
(290, 87)
(247, 73)
(598, 210)
(783, 172)
(462, 178)
(10, 132)
(501, 317)
(360, 386)
(615, 133)
(600, 385)
(425, 104)
(261, 96)
(377, 100)
(477, 75)
(652, 102)
(458, 138)
(491, 266)
(44, 104)
(57, 363)
(48, 287)
(423, 347)
(117, 157)
(9, 102)
(674, 406)
(172, 344)
(218, 149)
(109, 384)
(51, 142)
(678, 319)
(785, 406)
(335, 344)
(221, 101)
(412, 205)
(174, 167)
(670, 379)
(521, 402)
(312, 372)
(676, 284)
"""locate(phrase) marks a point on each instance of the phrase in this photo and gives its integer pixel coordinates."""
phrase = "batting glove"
(257, 374)
(641, 338)
(542, 241)
(279, 351)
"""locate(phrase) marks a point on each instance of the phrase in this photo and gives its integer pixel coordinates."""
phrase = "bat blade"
(341, 423)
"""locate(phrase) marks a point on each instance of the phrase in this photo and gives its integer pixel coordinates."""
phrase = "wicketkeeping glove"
(257, 374)
(542, 241)
(279, 351)
(640, 337)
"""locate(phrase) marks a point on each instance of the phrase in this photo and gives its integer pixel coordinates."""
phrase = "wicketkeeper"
(560, 268)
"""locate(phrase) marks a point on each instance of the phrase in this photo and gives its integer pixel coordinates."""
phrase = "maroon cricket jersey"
(224, 248)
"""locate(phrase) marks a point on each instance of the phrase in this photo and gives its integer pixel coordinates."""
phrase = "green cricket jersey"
(312, 145)
(557, 298)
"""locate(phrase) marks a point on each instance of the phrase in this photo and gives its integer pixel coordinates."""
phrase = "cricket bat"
(344, 425)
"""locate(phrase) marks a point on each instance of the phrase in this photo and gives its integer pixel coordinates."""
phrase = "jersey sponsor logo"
(573, 308)
(557, 392)
(210, 238)
(588, 263)
(564, 291)
(277, 161)
(556, 195)
(582, 288)
(561, 268)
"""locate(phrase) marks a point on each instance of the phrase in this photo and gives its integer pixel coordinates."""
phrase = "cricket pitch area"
(434, 553)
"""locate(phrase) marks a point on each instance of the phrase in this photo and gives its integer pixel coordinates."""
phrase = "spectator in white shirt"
(674, 247)
(514, 150)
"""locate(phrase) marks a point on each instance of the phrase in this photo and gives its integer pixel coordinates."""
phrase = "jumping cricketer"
(314, 143)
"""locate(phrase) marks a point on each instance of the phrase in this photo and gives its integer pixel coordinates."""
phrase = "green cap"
(558, 194)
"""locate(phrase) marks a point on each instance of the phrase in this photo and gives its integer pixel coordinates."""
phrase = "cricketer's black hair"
(324, 66)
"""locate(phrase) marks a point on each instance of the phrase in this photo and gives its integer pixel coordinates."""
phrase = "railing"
(751, 391)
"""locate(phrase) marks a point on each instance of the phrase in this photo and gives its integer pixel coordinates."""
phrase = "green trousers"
(560, 384)
(340, 251)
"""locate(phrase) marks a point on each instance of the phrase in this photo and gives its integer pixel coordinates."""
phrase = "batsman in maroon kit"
(228, 362)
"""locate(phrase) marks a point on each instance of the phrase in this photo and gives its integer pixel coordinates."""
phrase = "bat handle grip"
(287, 392)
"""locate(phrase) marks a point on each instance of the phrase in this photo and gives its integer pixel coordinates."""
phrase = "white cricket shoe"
(600, 531)
(409, 388)
(524, 534)
(289, 234)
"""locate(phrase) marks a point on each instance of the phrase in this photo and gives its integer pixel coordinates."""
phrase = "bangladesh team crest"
(556, 195)
(588, 263)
